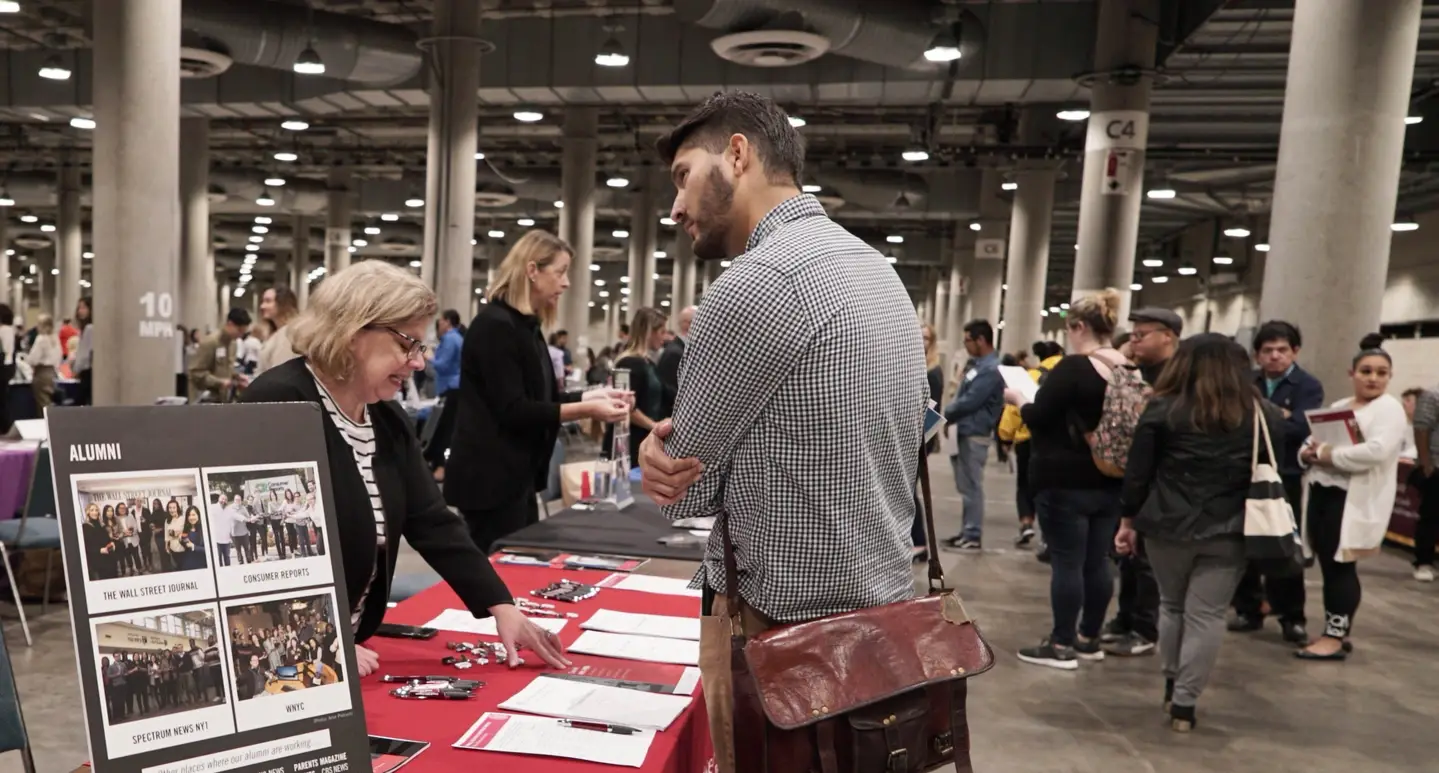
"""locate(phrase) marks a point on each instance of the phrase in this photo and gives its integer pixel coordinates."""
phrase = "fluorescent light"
(612, 59)
(618, 182)
(48, 228)
(1136, 286)
(85, 255)
(414, 202)
(528, 116)
(594, 267)
(1188, 271)
(1410, 120)
(1009, 186)
(1223, 260)
(624, 280)
(894, 239)
(295, 125)
(496, 234)
(29, 219)
(239, 292)
(624, 291)
(1077, 114)
(796, 121)
(1004, 287)
(1161, 193)
(659, 254)
(479, 156)
(286, 156)
(372, 230)
(656, 276)
(944, 47)
(667, 220)
(260, 229)
(414, 264)
(559, 205)
(360, 242)
(620, 233)
(353, 250)
(667, 303)
(474, 242)
(1044, 312)
(252, 248)
(274, 182)
(256, 239)
(915, 155)
(1064, 307)
(1053, 309)
(1153, 262)
(525, 222)
(389, 217)
(80, 122)
(811, 188)
(603, 293)
(975, 226)
(9, 6)
(592, 304)
(309, 62)
(54, 70)
(1237, 233)
(6, 201)
(1261, 247)
(1159, 280)
(265, 200)
(725, 263)
(262, 220)
(1404, 225)
(599, 283)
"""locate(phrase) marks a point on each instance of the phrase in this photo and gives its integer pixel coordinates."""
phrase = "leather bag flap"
(812, 671)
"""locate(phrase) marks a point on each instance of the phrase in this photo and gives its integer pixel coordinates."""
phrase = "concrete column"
(642, 245)
(197, 257)
(1113, 186)
(448, 260)
(954, 312)
(612, 320)
(227, 296)
(988, 273)
(71, 242)
(1340, 145)
(1029, 226)
(136, 198)
(686, 267)
(337, 223)
(44, 260)
(577, 219)
(299, 260)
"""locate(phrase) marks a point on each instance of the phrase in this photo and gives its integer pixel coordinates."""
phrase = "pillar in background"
(337, 222)
(448, 260)
(577, 219)
(227, 295)
(136, 198)
(686, 267)
(71, 242)
(987, 276)
(299, 278)
(197, 256)
(642, 240)
(1029, 226)
(1113, 186)
(1340, 147)
(44, 260)
(949, 335)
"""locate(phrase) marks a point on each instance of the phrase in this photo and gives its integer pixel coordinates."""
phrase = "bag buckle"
(898, 761)
(944, 743)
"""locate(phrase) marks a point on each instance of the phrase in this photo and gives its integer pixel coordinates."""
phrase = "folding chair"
(12, 722)
(37, 528)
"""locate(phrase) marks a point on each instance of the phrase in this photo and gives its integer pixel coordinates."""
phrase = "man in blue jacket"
(975, 413)
(1293, 390)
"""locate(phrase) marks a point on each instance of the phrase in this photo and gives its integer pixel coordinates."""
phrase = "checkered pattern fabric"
(802, 390)
(1426, 417)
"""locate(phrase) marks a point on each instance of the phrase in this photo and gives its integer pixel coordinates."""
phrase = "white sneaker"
(1424, 573)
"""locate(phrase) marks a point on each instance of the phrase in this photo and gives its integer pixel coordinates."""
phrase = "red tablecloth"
(684, 748)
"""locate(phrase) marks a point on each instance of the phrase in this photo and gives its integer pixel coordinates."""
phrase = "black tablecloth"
(633, 531)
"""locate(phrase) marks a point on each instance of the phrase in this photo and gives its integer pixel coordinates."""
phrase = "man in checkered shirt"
(801, 391)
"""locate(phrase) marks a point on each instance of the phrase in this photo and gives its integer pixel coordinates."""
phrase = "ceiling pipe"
(893, 33)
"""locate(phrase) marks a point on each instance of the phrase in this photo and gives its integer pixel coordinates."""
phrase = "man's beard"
(713, 220)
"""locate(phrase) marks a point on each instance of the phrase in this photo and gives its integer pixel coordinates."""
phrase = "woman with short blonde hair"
(44, 357)
(360, 339)
(510, 404)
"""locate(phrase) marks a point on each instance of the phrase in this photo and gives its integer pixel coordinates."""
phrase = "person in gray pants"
(1185, 485)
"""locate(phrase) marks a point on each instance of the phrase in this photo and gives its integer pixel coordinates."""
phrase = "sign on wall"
(989, 249)
(179, 531)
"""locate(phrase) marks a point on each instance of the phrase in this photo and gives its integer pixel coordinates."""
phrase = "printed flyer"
(210, 631)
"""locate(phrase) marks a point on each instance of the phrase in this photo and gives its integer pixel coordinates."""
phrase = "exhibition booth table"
(634, 531)
(682, 748)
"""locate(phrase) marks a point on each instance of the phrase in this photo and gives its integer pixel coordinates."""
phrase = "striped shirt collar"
(788, 211)
(334, 404)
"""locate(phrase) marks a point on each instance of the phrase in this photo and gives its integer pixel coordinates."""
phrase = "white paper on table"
(663, 626)
(590, 702)
(629, 647)
(648, 584)
(462, 621)
(1019, 380)
(545, 737)
(705, 522)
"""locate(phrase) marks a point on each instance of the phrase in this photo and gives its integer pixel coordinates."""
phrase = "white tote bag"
(1270, 532)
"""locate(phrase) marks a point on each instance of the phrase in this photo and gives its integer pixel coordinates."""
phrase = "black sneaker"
(1294, 633)
(1026, 535)
(1246, 623)
(1052, 655)
(969, 546)
(1113, 631)
(1132, 645)
(1042, 555)
(1088, 649)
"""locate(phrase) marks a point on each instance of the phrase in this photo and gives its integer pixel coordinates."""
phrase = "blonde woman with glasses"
(510, 404)
(359, 340)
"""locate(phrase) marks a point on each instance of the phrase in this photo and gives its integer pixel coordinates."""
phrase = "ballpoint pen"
(600, 727)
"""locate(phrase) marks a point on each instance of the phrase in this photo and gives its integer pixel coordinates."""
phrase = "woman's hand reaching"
(517, 631)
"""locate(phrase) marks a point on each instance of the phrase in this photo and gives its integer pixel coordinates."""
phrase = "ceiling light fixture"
(29, 219)
(414, 264)
(1159, 280)
(309, 62)
(252, 248)
(1076, 114)
(811, 188)
(262, 220)
(594, 267)
(5, 200)
(1261, 247)
(620, 233)
(528, 116)
(260, 229)
(496, 234)
(47, 228)
(1153, 263)
(1410, 120)
(891, 259)
(1223, 260)
(81, 122)
(1237, 233)
(353, 249)
(975, 226)
(915, 154)
(9, 6)
(295, 125)
(479, 156)
(256, 239)
(265, 199)
(286, 156)
(1187, 270)
(372, 230)
(1009, 186)
(87, 255)
(599, 283)
(894, 239)
(1136, 287)
(1161, 193)
(54, 70)
(275, 182)
(667, 220)
(1404, 224)
(944, 47)
(612, 52)
(360, 242)
(660, 254)
(525, 222)
(626, 280)
(797, 122)
(618, 182)
(414, 203)
(724, 264)
(389, 217)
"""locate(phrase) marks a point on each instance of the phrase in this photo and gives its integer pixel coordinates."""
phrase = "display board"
(212, 629)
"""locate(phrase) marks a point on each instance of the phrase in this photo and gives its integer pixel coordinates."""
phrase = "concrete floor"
(1264, 710)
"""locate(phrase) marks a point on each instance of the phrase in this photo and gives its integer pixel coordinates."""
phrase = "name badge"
(968, 377)
(219, 351)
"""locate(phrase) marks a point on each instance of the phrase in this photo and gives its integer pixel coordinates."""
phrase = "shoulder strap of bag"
(1264, 427)
(1254, 444)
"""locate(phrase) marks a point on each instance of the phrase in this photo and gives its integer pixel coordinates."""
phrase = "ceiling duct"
(894, 33)
(202, 62)
(770, 48)
(272, 34)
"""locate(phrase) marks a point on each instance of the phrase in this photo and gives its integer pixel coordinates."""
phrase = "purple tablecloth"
(17, 462)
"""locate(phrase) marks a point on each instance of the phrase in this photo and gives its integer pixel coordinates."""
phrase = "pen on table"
(600, 727)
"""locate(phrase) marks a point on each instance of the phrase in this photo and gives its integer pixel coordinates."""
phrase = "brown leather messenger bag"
(877, 690)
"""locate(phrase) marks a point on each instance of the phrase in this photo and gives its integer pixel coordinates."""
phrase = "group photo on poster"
(268, 523)
(161, 668)
(286, 656)
(144, 539)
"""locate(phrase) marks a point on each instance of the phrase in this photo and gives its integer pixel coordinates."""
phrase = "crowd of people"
(43, 354)
(141, 684)
(273, 527)
(302, 651)
(130, 539)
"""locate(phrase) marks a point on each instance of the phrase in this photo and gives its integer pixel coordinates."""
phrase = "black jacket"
(1183, 484)
(1068, 405)
(509, 411)
(412, 502)
(669, 371)
(1297, 392)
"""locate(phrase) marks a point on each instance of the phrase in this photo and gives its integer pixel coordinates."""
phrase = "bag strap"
(1268, 442)
(1254, 444)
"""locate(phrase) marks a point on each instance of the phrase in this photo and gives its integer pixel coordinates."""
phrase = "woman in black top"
(1184, 489)
(1078, 506)
(647, 335)
(510, 411)
(360, 339)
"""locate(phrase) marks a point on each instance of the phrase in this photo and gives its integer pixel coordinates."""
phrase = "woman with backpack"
(1077, 502)
(1185, 488)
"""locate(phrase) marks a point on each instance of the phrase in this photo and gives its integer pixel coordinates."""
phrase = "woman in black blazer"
(510, 409)
(360, 339)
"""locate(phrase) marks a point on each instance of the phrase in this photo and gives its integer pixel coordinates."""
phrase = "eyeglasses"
(414, 347)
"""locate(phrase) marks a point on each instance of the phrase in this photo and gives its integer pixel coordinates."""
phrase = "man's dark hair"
(7, 315)
(1040, 349)
(980, 328)
(625, 328)
(238, 317)
(759, 119)
(1055, 350)
(1277, 330)
(1413, 392)
(452, 317)
(561, 333)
